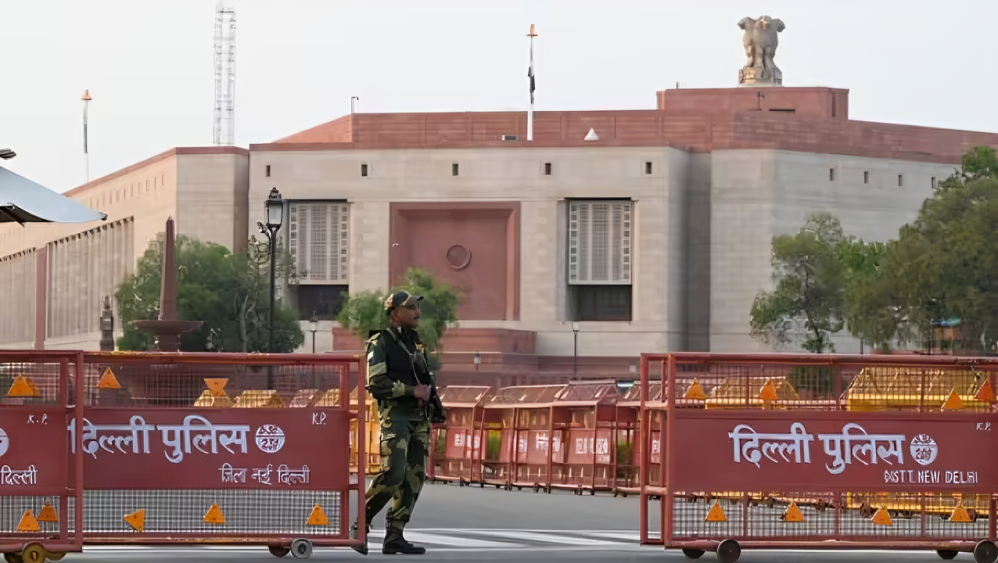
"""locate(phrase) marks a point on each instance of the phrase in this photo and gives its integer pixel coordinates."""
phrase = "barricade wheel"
(947, 554)
(985, 552)
(301, 549)
(728, 551)
(13, 558)
(57, 556)
(693, 553)
(278, 550)
(34, 553)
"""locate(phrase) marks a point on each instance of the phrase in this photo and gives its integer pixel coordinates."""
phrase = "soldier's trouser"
(404, 451)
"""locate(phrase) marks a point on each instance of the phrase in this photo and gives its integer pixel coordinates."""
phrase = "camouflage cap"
(401, 299)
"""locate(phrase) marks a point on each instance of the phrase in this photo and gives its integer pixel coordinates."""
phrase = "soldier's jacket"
(393, 356)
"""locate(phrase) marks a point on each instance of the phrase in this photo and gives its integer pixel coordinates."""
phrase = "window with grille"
(319, 242)
(599, 242)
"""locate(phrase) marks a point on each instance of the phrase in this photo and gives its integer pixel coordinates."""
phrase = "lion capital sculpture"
(760, 41)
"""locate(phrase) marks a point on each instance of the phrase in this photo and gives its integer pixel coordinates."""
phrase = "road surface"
(471, 523)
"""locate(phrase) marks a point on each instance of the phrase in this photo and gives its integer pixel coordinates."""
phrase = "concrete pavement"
(472, 523)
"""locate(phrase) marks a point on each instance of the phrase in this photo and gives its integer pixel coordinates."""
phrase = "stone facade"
(709, 177)
(204, 189)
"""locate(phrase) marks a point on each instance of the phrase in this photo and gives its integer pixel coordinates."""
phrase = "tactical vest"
(399, 365)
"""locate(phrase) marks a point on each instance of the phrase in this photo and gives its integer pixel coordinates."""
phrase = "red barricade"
(220, 448)
(501, 425)
(458, 442)
(36, 403)
(825, 452)
(585, 422)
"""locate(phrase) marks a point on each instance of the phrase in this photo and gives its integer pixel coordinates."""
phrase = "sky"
(148, 64)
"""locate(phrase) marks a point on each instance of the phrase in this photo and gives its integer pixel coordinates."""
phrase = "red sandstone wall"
(822, 103)
(745, 130)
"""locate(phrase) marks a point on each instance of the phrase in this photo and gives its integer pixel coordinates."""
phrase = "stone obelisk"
(168, 328)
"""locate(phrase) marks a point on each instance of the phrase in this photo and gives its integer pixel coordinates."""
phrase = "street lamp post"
(575, 354)
(313, 327)
(275, 216)
(274, 213)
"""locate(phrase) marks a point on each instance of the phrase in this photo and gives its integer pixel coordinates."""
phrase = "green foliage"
(943, 265)
(229, 292)
(809, 291)
(365, 311)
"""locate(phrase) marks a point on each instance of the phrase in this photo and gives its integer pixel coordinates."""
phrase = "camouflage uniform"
(405, 432)
(396, 364)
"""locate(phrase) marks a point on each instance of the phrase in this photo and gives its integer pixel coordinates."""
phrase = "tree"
(942, 266)
(229, 292)
(809, 279)
(365, 311)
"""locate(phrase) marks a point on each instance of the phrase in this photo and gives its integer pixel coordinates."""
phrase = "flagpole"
(530, 112)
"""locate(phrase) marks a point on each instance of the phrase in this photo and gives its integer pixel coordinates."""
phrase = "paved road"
(469, 523)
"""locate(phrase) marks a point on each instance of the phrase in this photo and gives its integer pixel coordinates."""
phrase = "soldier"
(400, 380)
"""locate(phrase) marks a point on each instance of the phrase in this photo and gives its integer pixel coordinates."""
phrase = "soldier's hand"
(422, 392)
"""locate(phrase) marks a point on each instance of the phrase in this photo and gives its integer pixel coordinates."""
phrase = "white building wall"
(497, 174)
(757, 194)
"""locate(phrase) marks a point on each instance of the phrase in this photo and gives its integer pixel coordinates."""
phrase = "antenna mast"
(225, 74)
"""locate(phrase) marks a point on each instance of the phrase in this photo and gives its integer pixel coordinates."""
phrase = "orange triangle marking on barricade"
(695, 392)
(960, 515)
(986, 393)
(793, 514)
(953, 402)
(214, 515)
(882, 518)
(716, 513)
(23, 387)
(318, 517)
(768, 391)
(108, 380)
(216, 385)
(137, 519)
(48, 514)
(28, 523)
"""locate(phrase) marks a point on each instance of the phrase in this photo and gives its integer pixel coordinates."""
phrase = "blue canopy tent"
(23, 201)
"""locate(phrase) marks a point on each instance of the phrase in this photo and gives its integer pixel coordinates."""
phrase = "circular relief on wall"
(458, 257)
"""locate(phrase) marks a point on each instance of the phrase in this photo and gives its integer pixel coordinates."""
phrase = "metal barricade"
(584, 422)
(822, 451)
(629, 438)
(373, 433)
(457, 449)
(505, 432)
(41, 498)
(219, 448)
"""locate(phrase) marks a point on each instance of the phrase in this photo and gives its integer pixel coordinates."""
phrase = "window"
(602, 302)
(599, 242)
(648, 167)
(547, 168)
(831, 174)
(268, 171)
(900, 181)
(363, 170)
(866, 177)
(318, 241)
(933, 182)
(325, 301)
(453, 169)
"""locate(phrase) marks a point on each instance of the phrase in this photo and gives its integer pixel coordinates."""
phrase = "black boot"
(361, 549)
(395, 543)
